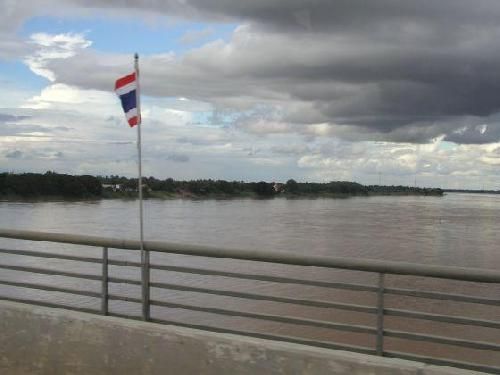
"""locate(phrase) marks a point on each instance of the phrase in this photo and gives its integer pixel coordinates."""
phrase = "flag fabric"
(126, 89)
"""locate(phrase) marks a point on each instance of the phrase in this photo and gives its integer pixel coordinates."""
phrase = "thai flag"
(126, 89)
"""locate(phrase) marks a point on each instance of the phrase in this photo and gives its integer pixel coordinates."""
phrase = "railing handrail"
(280, 257)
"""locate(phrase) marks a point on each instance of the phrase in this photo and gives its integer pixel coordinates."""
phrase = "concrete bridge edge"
(39, 340)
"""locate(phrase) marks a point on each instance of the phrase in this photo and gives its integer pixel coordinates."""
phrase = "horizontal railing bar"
(50, 272)
(259, 277)
(49, 304)
(442, 340)
(358, 287)
(324, 304)
(261, 297)
(326, 284)
(267, 278)
(355, 264)
(50, 288)
(39, 254)
(118, 280)
(443, 296)
(123, 263)
(269, 317)
(246, 276)
(442, 362)
(266, 336)
(442, 318)
(253, 334)
(116, 297)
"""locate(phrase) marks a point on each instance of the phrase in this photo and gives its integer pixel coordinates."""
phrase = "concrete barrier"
(38, 340)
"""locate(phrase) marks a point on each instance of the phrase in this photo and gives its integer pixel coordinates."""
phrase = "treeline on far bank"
(51, 184)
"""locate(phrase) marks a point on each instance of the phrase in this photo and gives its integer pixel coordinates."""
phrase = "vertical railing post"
(145, 284)
(104, 282)
(380, 315)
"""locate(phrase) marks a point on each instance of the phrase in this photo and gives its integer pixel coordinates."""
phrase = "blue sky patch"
(17, 74)
(128, 35)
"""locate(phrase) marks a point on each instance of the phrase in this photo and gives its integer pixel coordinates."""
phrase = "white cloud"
(53, 46)
(430, 164)
(64, 97)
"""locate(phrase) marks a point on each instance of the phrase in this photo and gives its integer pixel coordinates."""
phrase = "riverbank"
(161, 195)
(391, 191)
(60, 186)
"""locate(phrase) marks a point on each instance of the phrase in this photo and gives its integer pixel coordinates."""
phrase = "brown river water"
(454, 230)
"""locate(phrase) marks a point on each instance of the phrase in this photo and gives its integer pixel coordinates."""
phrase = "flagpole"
(144, 253)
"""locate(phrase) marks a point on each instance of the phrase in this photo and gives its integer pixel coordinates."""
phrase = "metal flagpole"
(144, 253)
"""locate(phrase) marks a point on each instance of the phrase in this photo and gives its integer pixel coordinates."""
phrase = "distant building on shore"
(112, 187)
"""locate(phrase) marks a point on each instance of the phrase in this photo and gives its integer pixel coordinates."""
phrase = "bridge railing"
(380, 290)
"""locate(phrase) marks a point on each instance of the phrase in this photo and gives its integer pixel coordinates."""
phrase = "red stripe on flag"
(120, 82)
(133, 121)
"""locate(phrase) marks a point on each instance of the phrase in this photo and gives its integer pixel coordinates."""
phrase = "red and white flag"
(126, 89)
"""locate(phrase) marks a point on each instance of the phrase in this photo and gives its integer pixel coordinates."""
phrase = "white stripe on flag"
(127, 88)
(131, 113)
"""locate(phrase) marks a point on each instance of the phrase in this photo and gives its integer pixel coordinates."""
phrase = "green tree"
(292, 186)
(264, 189)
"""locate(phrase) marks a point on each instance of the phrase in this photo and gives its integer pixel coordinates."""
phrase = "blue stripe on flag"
(128, 101)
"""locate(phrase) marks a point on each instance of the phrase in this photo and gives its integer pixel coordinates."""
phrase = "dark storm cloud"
(475, 134)
(314, 14)
(379, 67)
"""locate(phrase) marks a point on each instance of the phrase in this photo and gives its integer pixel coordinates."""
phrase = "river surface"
(454, 230)
(457, 229)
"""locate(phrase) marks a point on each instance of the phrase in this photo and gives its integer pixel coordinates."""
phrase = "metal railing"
(380, 290)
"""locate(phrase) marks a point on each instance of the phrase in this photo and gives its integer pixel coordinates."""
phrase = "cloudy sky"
(388, 91)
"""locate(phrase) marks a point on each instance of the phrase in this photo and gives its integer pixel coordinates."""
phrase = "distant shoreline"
(169, 196)
(471, 191)
(55, 186)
